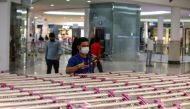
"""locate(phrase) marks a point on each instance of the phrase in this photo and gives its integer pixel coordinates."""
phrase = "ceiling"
(41, 6)
(44, 5)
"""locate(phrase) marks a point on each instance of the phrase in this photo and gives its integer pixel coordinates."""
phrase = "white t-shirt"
(150, 44)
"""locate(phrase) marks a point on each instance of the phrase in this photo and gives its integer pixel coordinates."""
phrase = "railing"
(163, 49)
(158, 48)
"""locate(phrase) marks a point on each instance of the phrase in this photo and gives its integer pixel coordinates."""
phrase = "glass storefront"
(152, 29)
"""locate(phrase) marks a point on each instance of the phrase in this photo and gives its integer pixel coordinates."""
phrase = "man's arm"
(60, 49)
(73, 69)
(46, 50)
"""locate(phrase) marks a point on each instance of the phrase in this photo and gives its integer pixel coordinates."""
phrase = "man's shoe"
(151, 65)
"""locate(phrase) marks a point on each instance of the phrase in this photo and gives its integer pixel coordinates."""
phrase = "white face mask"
(84, 50)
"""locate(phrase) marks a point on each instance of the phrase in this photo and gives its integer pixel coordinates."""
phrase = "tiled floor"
(37, 65)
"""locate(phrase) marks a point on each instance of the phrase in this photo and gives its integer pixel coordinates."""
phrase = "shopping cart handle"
(141, 100)
(96, 90)
(72, 85)
(125, 97)
(126, 83)
(69, 105)
(41, 96)
(160, 103)
(84, 88)
(83, 106)
(30, 92)
(177, 105)
(111, 93)
(93, 77)
(61, 83)
(114, 81)
(54, 100)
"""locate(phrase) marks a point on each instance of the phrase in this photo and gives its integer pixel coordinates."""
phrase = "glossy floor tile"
(36, 65)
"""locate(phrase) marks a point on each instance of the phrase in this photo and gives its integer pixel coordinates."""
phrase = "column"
(160, 29)
(145, 33)
(5, 35)
(45, 28)
(86, 22)
(174, 46)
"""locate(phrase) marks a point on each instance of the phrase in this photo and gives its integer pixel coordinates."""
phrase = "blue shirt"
(77, 59)
(53, 50)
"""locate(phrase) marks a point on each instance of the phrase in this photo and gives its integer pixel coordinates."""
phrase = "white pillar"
(160, 30)
(145, 33)
(45, 28)
(174, 46)
(175, 24)
(86, 22)
(5, 35)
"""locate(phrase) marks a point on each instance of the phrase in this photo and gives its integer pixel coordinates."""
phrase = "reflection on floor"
(37, 65)
(162, 58)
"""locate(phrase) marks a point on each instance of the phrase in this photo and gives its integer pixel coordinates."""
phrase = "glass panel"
(101, 22)
(120, 23)
(18, 46)
(125, 32)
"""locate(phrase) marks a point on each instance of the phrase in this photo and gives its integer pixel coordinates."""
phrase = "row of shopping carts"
(111, 90)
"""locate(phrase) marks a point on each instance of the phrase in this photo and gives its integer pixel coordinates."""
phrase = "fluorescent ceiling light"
(88, 1)
(64, 13)
(165, 20)
(155, 13)
(52, 5)
(31, 7)
(67, 0)
(21, 11)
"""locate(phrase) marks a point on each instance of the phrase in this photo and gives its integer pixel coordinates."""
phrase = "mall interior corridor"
(95, 54)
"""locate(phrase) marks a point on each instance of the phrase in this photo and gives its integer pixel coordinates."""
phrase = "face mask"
(84, 50)
(52, 40)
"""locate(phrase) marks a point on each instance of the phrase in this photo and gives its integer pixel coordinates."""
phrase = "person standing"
(32, 46)
(150, 47)
(82, 62)
(95, 50)
(53, 51)
(74, 46)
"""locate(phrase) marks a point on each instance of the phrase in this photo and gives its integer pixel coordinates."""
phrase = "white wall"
(5, 8)
(5, 35)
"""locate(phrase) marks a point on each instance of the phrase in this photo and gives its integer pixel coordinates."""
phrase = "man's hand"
(82, 65)
(94, 58)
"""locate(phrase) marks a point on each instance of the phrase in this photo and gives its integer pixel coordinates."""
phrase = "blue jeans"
(149, 57)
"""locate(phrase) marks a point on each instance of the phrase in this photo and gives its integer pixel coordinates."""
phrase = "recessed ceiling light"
(67, 0)
(35, 17)
(31, 7)
(52, 4)
(64, 13)
(89, 1)
(154, 13)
